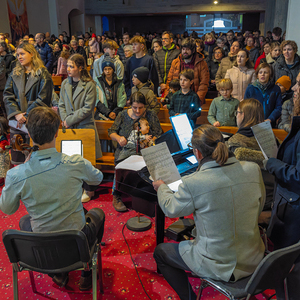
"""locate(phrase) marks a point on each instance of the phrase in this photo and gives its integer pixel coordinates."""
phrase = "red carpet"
(120, 278)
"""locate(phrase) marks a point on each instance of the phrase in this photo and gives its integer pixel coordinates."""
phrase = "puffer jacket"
(213, 67)
(280, 69)
(226, 64)
(46, 55)
(240, 78)
(201, 75)
(19, 97)
(286, 115)
(210, 49)
(147, 90)
(163, 59)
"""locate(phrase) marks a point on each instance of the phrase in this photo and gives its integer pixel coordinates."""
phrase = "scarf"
(262, 87)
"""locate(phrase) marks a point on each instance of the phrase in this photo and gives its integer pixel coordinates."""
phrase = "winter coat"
(210, 49)
(253, 54)
(94, 46)
(226, 202)
(163, 59)
(2, 74)
(8, 59)
(118, 94)
(79, 50)
(213, 66)
(147, 90)
(241, 78)
(56, 56)
(19, 98)
(284, 227)
(280, 69)
(260, 60)
(78, 109)
(286, 115)
(46, 55)
(62, 66)
(121, 54)
(201, 75)
(119, 68)
(270, 99)
(226, 64)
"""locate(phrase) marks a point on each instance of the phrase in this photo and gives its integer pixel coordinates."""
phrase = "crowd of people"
(253, 78)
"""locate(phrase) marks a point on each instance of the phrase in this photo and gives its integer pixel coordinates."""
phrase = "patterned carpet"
(120, 277)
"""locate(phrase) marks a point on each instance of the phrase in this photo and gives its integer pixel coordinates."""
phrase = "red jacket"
(201, 75)
(259, 59)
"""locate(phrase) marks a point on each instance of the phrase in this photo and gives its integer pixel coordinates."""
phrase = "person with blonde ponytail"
(28, 86)
(226, 197)
(77, 101)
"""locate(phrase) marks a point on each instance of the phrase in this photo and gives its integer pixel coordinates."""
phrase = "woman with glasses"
(225, 197)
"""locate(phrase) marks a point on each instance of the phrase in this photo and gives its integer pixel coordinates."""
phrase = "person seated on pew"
(49, 184)
(186, 100)
(245, 147)
(226, 197)
(222, 109)
(122, 127)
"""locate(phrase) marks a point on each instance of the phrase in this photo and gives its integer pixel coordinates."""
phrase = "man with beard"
(191, 59)
(227, 62)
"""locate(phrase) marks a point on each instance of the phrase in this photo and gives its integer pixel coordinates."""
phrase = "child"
(139, 59)
(4, 153)
(111, 96)
(145, 140)
(174, 87)
(222, 109)
(142, 84)
(62, 62)
(284, 82)
(186, 100)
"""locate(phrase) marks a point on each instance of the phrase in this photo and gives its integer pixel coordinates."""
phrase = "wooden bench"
(57, 80)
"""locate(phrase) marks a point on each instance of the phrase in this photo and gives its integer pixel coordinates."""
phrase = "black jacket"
(19, 97)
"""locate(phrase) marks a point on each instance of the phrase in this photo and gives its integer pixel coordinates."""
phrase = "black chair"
(269, 274)
(53, 252)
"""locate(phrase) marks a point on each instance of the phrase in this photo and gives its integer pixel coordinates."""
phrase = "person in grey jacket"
(163, 58)
(226, 197)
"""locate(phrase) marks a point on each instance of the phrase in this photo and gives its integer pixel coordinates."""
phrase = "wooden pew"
(57, 80)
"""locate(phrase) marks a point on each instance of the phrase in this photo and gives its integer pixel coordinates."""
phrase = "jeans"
(172, 266)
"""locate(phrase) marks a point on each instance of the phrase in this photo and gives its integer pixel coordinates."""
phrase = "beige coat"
(241, 78)
(226, 202)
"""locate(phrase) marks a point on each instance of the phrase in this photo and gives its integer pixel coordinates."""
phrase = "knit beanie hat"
(94, 35)
(108, 62)
(141, 73)
(285, 81)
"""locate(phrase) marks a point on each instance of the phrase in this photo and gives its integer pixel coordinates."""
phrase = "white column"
(53, 17)
(292, 24)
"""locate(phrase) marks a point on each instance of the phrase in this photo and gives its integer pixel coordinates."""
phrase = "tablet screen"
(72, 147)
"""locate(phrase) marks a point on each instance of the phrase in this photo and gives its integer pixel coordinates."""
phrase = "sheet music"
(13, 123)
(160, 163)
(133, 162)
(265, 138)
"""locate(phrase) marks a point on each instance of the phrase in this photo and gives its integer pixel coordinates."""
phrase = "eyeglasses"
(190, 146)
(237, 112)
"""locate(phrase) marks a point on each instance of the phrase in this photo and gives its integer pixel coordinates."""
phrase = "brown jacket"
(201, 75)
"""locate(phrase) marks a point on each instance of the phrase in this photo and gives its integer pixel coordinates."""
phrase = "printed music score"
(160, 163)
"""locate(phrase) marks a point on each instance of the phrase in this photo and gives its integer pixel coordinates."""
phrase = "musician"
(49, 184)
(226, 197)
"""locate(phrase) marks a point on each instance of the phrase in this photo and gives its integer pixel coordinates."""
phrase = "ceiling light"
(216, 2)
(218, 24)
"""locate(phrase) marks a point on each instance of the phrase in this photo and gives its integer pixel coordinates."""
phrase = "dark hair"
(126, 33)
(277, 31)
(187, 73)
(210, 142)
(4, 126)
(253, 112)
(264, 65)
(189, 43)
(137, 97)
(171, 36)
(42, 124)
(230, 31)
(158, 41)
(79, 61)
(219, 48)
(4, 45)
(175, 84)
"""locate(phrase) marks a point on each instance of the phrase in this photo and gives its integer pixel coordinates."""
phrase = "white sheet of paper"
(174, 185)
(265, 138)
(72, 147)
(13, 123)
(160, 163)
(133, 162)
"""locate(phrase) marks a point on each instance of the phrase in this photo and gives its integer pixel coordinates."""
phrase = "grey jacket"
(78, 109)
(163, 59)
(286, 115)
(226, 202)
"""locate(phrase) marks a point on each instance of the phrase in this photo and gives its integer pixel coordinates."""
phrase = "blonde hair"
(139, 39)
(111, 44)
(225, 83)
(36, 62)
(210, 142)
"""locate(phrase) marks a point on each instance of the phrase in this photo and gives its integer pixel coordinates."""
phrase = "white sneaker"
(85, 197)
